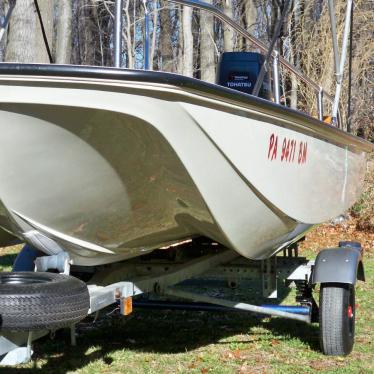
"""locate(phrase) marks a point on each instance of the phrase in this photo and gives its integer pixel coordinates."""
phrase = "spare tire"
(37, 301)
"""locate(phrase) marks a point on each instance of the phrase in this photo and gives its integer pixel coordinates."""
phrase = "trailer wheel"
(37, 301)
(337, 318)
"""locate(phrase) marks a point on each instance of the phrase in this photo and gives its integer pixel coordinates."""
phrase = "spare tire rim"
(22, 279)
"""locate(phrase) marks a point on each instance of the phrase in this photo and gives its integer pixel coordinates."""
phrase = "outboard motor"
(239, 71)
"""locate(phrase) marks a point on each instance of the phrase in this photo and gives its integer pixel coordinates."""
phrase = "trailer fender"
(338, 265)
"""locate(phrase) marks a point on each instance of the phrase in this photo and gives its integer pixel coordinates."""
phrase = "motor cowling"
(239, 71)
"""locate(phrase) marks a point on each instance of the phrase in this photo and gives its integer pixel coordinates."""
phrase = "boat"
(111, 164)
(108, 164)
(162, 178)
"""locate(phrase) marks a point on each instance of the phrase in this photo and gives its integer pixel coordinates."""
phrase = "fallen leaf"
(236, 353)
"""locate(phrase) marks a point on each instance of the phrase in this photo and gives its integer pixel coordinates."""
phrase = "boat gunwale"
(227, 95)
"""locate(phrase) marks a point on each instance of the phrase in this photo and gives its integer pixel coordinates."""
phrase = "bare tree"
(25, 40)
(228, 35)
(251, 15)
(294, 52)
(166, 47)
(46, 10)
(64, 32)
(128, 36)
(187, 42)
(248, 17)
(207, 48)
(87, 37)
(154, 34)
(3, 9)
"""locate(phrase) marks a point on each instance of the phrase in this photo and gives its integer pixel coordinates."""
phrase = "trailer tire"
(336, 318)
(38, 301)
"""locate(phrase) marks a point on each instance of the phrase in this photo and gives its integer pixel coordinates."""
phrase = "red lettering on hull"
(289, 149)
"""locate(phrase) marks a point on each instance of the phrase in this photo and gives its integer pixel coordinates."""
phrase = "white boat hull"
(112, 169)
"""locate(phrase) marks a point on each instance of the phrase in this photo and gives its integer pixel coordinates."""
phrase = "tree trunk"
(64, 31)
(154, 34)
(22, 37)
(187, 42)
(180, 46)
(207, 48)
(25, 39)
(228, 35)
(3, 10)
(86, 33)
(128, 37)
(166, 48)
(275, 15)
(251, 15)
(294, 54)
(46, 10)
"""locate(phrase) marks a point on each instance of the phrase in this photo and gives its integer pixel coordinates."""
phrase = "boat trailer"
(181, 276)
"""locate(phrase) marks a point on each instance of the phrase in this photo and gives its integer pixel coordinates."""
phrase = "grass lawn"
(202, 342)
